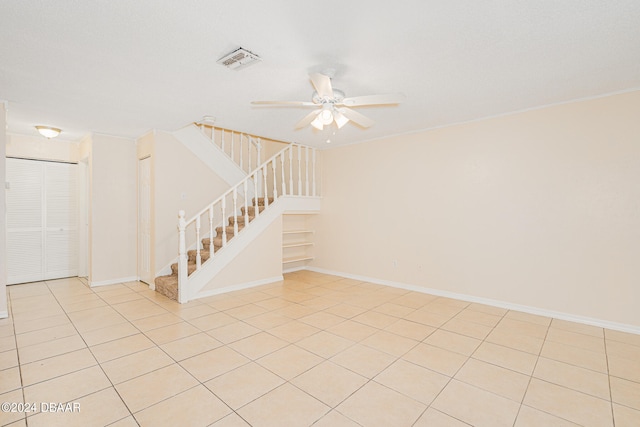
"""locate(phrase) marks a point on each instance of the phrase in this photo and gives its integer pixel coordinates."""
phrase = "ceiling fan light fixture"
(48, 131)
(326, 116)
(340, 118)
(317, 123)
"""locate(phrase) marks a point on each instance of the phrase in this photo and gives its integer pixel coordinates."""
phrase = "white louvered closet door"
(42, 232)
(61, 220)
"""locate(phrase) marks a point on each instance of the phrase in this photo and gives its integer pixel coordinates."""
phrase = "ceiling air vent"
(239, 58)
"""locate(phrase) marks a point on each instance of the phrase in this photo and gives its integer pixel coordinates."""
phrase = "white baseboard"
(292, 269)
(4, 314)
(113, 281)
(623, 327)
(238, 287)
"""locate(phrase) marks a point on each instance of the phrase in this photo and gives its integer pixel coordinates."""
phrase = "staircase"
(218, 233)
(168, 285)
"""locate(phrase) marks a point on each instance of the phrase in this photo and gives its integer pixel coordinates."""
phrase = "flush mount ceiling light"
(48, 131)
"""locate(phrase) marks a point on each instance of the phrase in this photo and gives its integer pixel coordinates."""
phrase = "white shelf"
(298, 231)
(290, 260)
(295, 245)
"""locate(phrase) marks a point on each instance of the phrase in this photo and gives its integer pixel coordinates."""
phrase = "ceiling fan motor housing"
(338, 96)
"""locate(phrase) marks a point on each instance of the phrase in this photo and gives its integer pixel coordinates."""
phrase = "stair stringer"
(202, 277)
(212, 156)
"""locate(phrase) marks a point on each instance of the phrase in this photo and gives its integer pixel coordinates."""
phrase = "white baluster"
(290, 148)
(241, 163)
(224, 222)
(246, 204)
(299, 170)
(233, 147)
(259, 159)
(198, 256)
(213, 134)
(275, 185)
(313, 169)
(306, 171)
(266, 192)
(222, 133)
(255, 194)
(211, 248)
(235, 211)
(183, 259)
(249, 145)
(284, 184)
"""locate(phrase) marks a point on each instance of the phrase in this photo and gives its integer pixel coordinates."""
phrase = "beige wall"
(3, 237)
(261, 260)
(539, 208)
(181, 181)
(113, 209)
(40, 148)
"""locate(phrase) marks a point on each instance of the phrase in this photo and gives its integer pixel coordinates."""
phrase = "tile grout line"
(92, 355)
(532, 373)
(606, 357)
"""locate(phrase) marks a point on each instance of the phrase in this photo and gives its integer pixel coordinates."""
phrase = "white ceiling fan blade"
(291, 103)
(357, 118)
(307, 119)
(390, 98)
(322, 84)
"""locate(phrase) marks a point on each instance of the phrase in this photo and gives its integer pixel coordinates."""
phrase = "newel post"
(182, 259)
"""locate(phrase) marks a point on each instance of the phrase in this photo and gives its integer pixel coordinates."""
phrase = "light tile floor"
(311, 350)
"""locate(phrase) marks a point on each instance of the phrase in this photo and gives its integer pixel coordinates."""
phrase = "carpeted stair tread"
(251, 210)
(230, 229)
(191, 267)
(204, 255)
(217, 243)
(240, 220)
(261, 201)
(167, 286)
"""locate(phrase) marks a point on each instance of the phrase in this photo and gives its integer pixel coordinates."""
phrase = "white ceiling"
(123, 67)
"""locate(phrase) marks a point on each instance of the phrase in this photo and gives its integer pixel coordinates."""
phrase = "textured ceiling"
(123, 67)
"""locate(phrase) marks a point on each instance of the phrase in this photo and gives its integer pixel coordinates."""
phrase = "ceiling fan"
(333, 106)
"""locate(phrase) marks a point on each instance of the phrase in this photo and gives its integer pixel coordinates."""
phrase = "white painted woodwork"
(241, 151)
(297, 241)
(224, 221)
(42, 220)
(210, 154)
(144, 221)
(183, 259)
(313, 171)
(266, 189)
(246, 205)
(283, 181)
(275, 184)
(291, 172)
(211, 248)
(235, 211)
(257, 178)
(233, 147)
(306, 171)
(198, 255)
(299, 170)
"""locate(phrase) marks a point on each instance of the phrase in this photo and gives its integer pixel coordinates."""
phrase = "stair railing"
(243, 149)
(290, 172)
